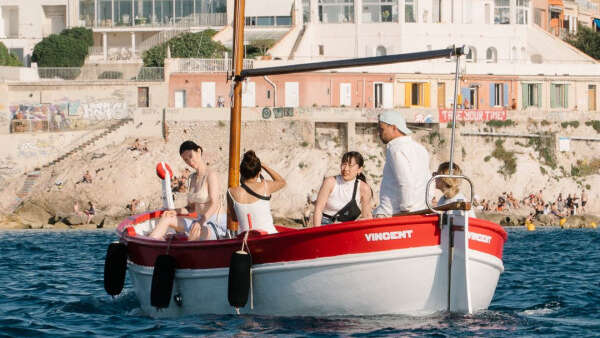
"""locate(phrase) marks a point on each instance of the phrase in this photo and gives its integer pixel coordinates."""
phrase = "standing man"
(584, 199)
(406, 170)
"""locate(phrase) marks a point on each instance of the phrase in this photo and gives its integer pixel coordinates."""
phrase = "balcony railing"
(194, 20)
(208, 65)
(103, 74)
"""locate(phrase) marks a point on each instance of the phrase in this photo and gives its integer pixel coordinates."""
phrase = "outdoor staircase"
(297, 43)
(161, 37)
(88, 142)
(33, 176)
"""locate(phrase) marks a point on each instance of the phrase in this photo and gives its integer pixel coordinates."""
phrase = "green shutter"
(553, 96)
(566, 96)
(525, 101)
(539, 95)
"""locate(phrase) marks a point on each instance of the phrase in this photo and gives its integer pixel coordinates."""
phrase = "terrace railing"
(208, 65)
(102, 74)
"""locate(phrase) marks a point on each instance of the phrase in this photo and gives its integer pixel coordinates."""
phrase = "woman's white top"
(341, 195)
(457, 198)
(260, 213)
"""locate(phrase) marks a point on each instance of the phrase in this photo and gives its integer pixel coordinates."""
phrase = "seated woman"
(203, 198)
(254, 195)
(450, 187)
(338, 196)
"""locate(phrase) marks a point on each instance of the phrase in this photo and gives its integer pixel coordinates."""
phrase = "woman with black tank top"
(344, 197)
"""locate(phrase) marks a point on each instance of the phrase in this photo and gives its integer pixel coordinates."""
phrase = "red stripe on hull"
(363, 236)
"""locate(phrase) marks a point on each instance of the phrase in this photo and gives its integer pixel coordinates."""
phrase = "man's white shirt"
(405, 176)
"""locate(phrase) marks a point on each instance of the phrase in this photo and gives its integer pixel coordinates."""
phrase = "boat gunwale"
(407, 220)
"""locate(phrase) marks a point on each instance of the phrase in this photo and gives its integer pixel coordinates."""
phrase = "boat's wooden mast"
(236, 108)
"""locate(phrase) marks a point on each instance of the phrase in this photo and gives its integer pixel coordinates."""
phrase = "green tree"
(586, 40)
(67, 49)
(80, 33)
(188, 45)
(258, 47)
(8, 59)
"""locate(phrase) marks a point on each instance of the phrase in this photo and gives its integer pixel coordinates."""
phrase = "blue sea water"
(51, 284)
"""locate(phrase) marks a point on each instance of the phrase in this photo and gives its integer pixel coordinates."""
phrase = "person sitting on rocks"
(133, 206)
(554, 210)
(90, 212)
(87, 177)
(450, 187)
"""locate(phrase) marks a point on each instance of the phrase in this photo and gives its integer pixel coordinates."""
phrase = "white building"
(23, 23)
(497, 31)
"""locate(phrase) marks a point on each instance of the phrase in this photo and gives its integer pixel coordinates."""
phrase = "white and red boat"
(409, 264)
(397, 265)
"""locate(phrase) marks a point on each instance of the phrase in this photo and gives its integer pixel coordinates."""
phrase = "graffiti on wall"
(64, 115)
(278, 112)
(35, 149)
(105, 110)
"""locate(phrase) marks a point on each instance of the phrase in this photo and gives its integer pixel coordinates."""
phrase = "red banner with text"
(473, 115)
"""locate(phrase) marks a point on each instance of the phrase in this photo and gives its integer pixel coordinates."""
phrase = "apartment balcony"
(126, 23)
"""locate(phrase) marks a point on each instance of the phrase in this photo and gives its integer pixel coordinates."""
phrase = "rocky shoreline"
(37, 217)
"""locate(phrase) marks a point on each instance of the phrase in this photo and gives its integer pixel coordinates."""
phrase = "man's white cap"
(394, 118)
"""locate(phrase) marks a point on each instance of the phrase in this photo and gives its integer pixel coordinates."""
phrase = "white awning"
(269, 7)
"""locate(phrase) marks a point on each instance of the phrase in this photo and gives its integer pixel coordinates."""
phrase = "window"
(86, 13)
(472, 56)
(142, 12)
(336, 11)
(380, 11)
(265, 21)
(522, 11)
(532, 95)
(184, 8)
(410, 11)
(491, 55)
(591, 97)
(321, 49)
(474, 97)
(123, 14)
(498, 94)
(559, 95)
(180, 99)
(380, 51)
(18, 52)
(306, 11)
(143, 99)
(417, 94)
(283, 20)
(163, 11)
(436, 11)
(502, 12)
(10, 16)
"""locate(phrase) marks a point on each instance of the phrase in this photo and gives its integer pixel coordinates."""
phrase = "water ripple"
(52, 286)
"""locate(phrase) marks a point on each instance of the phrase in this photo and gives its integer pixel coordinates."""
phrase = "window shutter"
(426, 94)
(505, 98)
(566, 93)
(525, 95)
(407, 94)
(539, 95)
(464, 96)
(492, 96)
(553, 96)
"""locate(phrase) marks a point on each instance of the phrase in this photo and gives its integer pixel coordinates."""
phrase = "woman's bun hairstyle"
(250, 166)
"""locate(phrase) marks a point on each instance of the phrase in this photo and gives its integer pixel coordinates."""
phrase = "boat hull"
(404, 277)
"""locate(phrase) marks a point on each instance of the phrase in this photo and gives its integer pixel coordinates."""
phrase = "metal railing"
(208, 65)
(194, 20)
(95, 74)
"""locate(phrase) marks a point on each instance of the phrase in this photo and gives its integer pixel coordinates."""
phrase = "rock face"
(301, 151)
